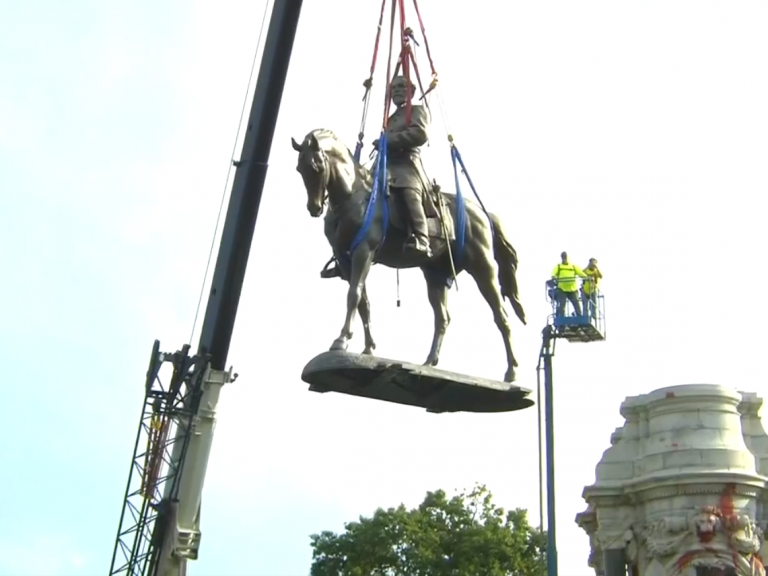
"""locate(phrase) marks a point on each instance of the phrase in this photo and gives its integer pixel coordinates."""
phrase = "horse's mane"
(338, 150)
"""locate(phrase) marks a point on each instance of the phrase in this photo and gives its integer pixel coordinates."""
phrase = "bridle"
(320, 169)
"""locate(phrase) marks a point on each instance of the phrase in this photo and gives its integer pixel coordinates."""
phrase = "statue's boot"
(418, 242)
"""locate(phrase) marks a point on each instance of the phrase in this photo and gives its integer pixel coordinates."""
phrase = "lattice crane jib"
(177, 420)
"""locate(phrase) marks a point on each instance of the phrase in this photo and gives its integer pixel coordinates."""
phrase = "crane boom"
(159, 529)
(237, 234)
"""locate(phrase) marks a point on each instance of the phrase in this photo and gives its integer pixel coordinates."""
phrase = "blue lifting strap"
(378, 190)
(461, 205)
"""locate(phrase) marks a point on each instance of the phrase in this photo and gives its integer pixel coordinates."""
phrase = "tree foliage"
(467, 535)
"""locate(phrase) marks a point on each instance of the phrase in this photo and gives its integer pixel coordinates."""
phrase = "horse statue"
(332, 176)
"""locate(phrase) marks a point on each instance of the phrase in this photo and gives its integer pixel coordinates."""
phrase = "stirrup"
(331, 272)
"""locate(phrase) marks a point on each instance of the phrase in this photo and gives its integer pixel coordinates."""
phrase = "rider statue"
(407, 181)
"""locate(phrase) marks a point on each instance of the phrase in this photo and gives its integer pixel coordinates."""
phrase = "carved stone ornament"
(705, 538)
(665, 536)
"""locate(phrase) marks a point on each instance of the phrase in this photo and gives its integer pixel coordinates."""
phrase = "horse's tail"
(506, 257)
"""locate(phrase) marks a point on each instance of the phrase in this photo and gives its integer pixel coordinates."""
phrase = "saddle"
(440, 223)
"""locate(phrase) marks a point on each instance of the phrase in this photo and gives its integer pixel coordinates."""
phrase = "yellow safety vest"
(592, 281)
(566, 276)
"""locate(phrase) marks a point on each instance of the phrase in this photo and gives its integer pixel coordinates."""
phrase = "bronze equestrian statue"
(332, 176)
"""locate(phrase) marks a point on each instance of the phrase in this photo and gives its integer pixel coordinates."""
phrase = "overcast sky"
(633, 132)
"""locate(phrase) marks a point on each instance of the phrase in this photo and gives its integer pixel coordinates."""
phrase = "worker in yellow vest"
(589, 288)
(565, 276)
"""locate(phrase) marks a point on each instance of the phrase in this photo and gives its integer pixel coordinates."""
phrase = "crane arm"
(248, 185)
(159, 529)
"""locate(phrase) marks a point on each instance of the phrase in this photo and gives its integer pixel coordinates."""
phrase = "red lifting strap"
(406, 58)
(433, 83)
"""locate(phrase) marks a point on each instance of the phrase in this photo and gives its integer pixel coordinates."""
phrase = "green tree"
(466, 535)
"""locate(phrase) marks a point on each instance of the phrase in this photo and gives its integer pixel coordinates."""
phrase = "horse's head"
(314, 170)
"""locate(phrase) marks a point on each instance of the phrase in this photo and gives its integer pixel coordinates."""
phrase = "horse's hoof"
(368, 352)
(431, 361)
(510, 375)
(339, 345)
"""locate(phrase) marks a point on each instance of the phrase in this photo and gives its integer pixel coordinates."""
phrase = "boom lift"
(586, 327)
(159, 528)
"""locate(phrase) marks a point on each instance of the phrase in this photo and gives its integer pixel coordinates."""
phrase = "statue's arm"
(411, 136)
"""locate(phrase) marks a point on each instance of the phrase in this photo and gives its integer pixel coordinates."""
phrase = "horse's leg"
(437, 292)
(364, 308)
(483, 268)
(361, 265)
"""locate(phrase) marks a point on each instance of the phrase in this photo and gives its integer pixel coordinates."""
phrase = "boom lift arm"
(587, 327)
(159, 526)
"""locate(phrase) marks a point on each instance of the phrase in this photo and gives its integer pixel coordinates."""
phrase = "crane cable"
(229, 171)
(368, 85)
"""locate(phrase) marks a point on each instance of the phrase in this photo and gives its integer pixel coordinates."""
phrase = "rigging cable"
(388, 79)
(368, 85)
(229, 171)
(433, 83)
(412, 58)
